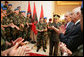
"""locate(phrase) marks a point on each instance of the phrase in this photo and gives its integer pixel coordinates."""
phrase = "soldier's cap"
(28, 13)
(1, 5)
(56, 16)
(4, 8)
(45, 17)
(41, 18)
(22, 11)
(18, 6)
(50, 19)
(16, 9)
(6, 1)
(9, 4)
(82, 5)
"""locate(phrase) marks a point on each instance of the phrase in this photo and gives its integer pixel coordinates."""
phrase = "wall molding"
(69, 2)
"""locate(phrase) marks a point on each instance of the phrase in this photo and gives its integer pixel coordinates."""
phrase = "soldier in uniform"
(2, 33)
(16, 21)
(6, 21)
(50, 22)
(4, 43)
(9, 10)
(54, 39)
(46, 33)
(5, 16)
(57, 20)
(19, 7)
(41, 28)
(49, 25)
(5, 11)
(6, 4)
(22, 18)
(28, 26)
(2, 40)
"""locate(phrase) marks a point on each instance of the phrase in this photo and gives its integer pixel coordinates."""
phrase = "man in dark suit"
(69, 26)
(79, 51)
(69, 23)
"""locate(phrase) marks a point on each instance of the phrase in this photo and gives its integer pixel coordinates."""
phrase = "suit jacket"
(63, 37)
(74, 39)
(69, 28)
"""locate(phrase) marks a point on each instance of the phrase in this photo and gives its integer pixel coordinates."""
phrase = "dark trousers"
(53, 48)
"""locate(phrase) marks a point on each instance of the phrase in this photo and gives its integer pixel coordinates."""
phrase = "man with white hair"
(75, 15)
(75, 36)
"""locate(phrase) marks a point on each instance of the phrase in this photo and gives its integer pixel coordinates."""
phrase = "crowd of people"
(65, 39)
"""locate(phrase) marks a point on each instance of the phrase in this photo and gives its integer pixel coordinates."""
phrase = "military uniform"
(49, 33)
(19, 10)
(59, 24)
(27, 29)
(16, 21)
(46, 33)
(22, 21)
(54, 41)
(9, 11)
(4, 34)
(6, 21)
(46, 36)
(6, 6)
(54, 38)
(2, 40)
(40, 36)
(24, 32)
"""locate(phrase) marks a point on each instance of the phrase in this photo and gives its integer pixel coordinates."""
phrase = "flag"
(34, 20)
(41, 15)
(34, 14)
(29, 9)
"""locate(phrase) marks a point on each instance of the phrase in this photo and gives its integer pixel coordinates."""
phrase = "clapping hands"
(40, 30)
(62, 29)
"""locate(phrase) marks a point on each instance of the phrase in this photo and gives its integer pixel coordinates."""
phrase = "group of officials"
(64, 39)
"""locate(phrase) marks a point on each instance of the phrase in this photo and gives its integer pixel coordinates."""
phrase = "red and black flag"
(35, 14)
(29, 10)
(35, 20)
(42, 14)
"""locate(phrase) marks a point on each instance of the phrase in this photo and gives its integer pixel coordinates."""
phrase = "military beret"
(82, 5)
(9, 4)
(28, 13)
(4, 8)
(22, 11)
(50, 19)
(45, 17)
(1, 5)
(41, 18)
(16, 9)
